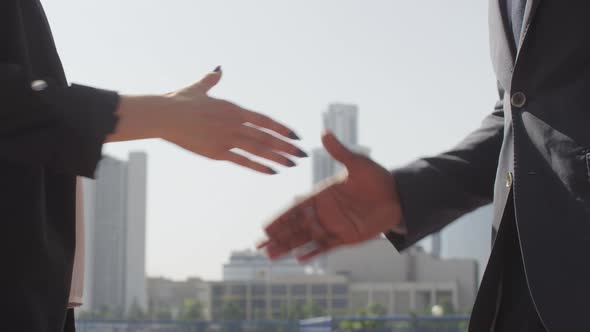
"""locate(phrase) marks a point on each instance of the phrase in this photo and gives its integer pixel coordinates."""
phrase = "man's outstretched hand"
(352, 208)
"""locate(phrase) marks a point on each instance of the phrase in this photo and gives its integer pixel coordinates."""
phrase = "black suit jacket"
(537, 144)
(48, 135)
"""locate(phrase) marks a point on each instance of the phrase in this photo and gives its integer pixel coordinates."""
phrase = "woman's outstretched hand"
(210, 127)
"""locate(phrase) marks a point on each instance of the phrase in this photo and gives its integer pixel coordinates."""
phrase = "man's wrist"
(400, 228)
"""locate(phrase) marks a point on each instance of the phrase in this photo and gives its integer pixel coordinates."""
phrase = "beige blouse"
(77, 287)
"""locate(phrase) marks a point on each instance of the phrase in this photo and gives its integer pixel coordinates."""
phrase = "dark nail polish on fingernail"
(302, 154)
(292, 135)
(271, 171)
(217, 69)
(291, 163)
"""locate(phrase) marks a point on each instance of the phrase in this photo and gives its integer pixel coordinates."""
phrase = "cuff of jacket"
(87, 116)
(426, 198)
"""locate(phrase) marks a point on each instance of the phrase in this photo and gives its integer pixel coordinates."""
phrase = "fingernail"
(292, 135)
(302, 154)
(217, 69)
(291, 163)
(271, 171)
(263, 244)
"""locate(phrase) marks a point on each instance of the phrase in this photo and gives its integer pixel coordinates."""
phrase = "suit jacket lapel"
(501, 46)
(504, 54)
(529, 14)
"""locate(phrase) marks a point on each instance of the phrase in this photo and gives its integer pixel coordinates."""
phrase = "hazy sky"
(419, 71)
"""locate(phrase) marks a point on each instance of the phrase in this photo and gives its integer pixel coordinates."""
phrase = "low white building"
(378, 263)
(251, 265)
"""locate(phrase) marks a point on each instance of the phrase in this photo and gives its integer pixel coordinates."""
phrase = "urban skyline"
(115, 207)
(351, 51)
(354, 279)
(342, 282)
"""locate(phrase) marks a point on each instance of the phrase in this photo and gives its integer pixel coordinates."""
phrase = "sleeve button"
(39, 85)
(518, 100)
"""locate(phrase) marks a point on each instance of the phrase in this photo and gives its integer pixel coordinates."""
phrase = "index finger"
(263, 244)
(263, 121)
(290, 220)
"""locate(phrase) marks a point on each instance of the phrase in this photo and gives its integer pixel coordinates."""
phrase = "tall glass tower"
(115, 219)
(342, 120)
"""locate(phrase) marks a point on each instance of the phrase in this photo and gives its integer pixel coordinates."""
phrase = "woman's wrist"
(140, 117)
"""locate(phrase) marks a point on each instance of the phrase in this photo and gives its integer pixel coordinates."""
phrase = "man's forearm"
(437, 190)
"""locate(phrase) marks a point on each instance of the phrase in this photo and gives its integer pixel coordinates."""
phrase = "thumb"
(209, 81)
(337, 150)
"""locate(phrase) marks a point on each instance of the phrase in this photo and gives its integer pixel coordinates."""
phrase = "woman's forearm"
(139, 118)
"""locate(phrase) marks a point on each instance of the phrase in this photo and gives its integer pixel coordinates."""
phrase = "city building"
(342, 120)
(377, 266)
(436, 245)
(167, 295)
(251, 265)
(280, 297)
(115, 220)
(470, 237)
(403, 298)
(353, 280)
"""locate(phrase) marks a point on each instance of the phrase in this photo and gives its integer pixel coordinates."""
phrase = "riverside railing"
(407, 323)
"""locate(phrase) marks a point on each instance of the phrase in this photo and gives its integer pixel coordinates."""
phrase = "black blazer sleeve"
(59, 127)
(437, 190)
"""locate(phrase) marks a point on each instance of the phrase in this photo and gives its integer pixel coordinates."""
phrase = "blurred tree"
(312, 310)
(161, 313)
(85, 315)
(136, 313)
(232, 311)
(448, 307)
(295, 312)
(108, 313)
(259, 314)
(300, 311)
(192, 309)
(376, 309)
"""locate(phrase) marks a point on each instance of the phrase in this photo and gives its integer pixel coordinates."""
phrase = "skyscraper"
(470, 237)
(436, 245)
(342, 120)
(114, 213)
